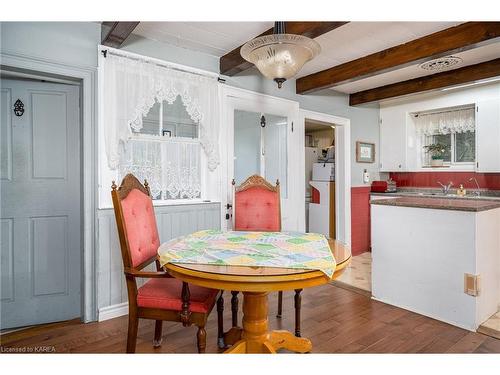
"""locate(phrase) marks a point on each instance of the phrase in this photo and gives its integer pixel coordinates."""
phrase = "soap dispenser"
(461, 191)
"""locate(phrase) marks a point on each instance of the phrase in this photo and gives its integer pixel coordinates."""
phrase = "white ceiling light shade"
(280, 56)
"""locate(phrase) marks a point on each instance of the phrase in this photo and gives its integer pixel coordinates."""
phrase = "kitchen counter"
(436, 193)
(423, 248)
(439, 203)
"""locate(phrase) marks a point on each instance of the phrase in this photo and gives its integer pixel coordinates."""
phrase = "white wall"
(401, 108)
(73, 43)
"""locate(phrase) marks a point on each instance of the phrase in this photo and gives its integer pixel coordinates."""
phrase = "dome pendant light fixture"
(280, 56)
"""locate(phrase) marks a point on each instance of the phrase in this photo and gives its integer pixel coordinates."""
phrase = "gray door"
(41, 243)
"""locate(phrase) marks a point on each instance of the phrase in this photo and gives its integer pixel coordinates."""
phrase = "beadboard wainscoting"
(172, 221)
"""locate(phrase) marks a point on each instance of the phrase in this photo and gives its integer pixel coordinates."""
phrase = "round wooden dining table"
(256, 283)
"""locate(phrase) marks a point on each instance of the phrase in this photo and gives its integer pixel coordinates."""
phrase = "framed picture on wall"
(166, 133)
(365, 152)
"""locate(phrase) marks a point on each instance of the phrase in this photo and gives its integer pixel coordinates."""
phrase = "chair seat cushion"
(165, 293)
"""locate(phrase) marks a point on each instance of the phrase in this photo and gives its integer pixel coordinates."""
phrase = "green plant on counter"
(437, 150)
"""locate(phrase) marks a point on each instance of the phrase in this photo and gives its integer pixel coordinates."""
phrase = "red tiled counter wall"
(360, 219)
(489, 181)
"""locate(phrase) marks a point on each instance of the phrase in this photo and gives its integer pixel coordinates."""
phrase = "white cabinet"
(392, 140)
(488, 136)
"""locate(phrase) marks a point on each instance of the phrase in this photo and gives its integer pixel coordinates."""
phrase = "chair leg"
(201, 337)
(158, 339)
(234, 308)
(133, 324)
(220, 321)
(280, 304)
(298, 301)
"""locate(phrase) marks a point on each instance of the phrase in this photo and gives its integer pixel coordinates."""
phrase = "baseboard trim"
(417, 311)
(113, 311)
(489, 332)
(343, 285)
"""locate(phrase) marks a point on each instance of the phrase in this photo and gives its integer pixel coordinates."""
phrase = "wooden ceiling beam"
(449, 78)
(232, 62)
(113, 34)
(452, 40)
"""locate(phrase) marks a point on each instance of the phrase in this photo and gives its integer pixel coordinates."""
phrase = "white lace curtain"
(132, 86)
(446, 122)
(171, 167)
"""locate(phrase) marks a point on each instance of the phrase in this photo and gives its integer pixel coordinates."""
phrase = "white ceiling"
(474, 56)
(346, 43)
(214, 38)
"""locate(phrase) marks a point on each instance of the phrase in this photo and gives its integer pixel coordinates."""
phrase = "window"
(260, 147)
(166, 152)
(461, 147)
(452, 128)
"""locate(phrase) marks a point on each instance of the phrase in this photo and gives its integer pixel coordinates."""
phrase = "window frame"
(171, 139)
(452, 162)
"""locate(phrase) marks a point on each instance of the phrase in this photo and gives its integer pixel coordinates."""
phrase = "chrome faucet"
(477, 192)
(446, 188)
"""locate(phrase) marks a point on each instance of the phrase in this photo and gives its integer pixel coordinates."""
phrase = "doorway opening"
(320, 177)
(327, 205)
(41, 203)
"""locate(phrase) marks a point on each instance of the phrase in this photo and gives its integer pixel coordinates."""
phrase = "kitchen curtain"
(446, 122)
(131, 86)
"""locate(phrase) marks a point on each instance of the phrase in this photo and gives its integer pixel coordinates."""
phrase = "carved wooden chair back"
(136, 222)
(257, 205)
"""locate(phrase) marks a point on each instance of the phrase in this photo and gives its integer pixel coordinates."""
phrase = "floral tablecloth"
(308, 251)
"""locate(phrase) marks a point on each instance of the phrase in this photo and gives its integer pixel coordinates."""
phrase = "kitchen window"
(461, 146)
(454, 129)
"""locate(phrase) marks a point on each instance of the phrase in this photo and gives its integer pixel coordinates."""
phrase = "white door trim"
(266, 104)
(342, 169)
(87, 75)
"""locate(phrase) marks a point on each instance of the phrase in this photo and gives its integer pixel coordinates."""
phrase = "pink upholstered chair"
(257, 208)
(162, 297)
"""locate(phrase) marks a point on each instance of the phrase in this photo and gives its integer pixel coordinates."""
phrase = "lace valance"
(131, 88)
(446, 122)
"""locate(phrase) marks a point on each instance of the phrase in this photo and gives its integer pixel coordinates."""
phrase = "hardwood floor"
(335, 319)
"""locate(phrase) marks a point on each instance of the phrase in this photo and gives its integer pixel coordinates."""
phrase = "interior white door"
(41, 239)
(264, 149)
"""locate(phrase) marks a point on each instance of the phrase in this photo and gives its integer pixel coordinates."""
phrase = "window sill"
(447, 168)
(180, 202)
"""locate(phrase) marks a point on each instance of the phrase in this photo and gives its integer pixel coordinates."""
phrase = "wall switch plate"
(471, 284)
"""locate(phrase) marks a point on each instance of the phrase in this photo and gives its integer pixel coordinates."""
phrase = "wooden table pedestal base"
(255, 337)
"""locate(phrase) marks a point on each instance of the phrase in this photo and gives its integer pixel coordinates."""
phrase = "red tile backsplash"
(360, 219)
(489, 181)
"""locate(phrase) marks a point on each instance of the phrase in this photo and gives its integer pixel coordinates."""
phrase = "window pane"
(247, 133)
(275, 146)
(151, 123)
(177, 121)
(465, 147)
(444, 139)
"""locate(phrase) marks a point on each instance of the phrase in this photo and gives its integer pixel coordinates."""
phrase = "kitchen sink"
(451, 196)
